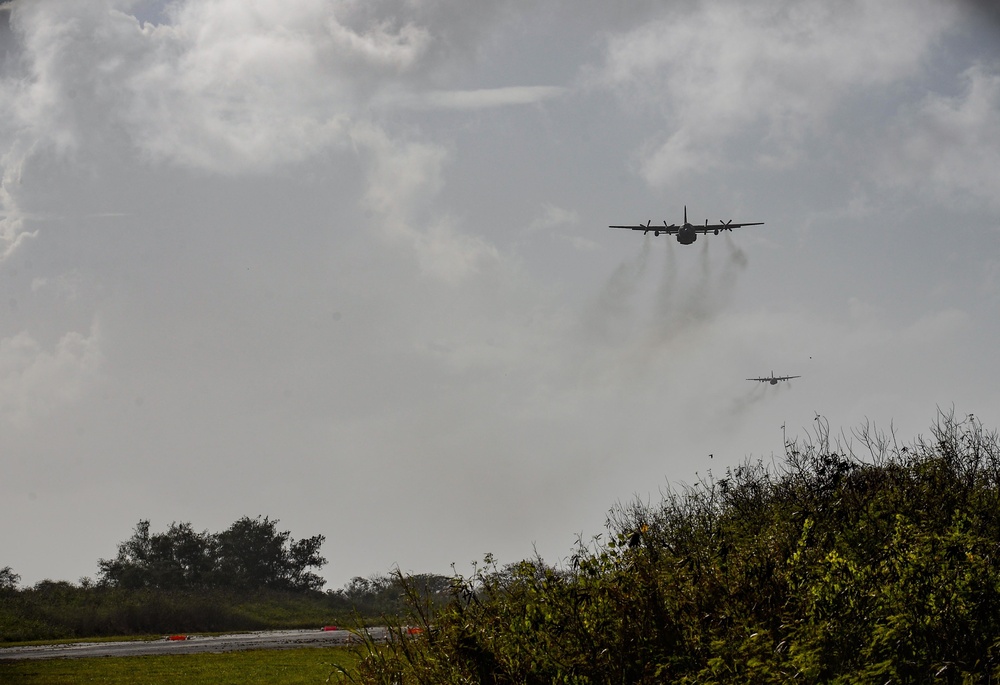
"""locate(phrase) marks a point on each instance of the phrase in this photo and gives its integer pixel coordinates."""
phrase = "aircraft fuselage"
(686, 234)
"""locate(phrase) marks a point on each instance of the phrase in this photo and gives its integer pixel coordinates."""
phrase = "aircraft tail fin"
(685, 214)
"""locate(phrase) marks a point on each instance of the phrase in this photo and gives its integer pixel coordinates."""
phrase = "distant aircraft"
(772, 379)
(687, 233)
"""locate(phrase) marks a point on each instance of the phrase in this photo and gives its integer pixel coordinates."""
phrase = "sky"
(347, 264)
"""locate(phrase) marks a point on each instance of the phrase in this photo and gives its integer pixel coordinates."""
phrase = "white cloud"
(304, 285)
(949, 146)
(33, 380)
(725, 67)
(226, 86)
(403, 179)
(12, 231)
(481, 98)
(552, 216)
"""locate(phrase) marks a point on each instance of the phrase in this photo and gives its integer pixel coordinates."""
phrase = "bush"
(849, 560)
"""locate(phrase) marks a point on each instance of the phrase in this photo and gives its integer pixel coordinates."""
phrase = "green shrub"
(849, 560)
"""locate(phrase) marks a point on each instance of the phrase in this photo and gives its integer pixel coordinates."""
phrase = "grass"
(104, 638)
(265, 667)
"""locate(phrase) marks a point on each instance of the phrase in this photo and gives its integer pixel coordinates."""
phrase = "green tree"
(8, 579)
(178, 558)
(250, 555)
(253, 554)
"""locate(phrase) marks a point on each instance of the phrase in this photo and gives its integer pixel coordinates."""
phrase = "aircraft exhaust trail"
(698, 307)
(741, 404)
(681, 303)
(613, 304)
(663, 302)
(736, 261)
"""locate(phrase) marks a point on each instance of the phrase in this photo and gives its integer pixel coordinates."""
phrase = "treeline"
(252, 576)
(848, 560)
(52, 610)
(59, 609)
(249, 555)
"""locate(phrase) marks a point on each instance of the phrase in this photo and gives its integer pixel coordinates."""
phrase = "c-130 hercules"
(772, 379)
(687, 233)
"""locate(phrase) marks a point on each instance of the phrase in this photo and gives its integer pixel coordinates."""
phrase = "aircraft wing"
(715, 228)
(785, 378)
(762, 380)
(668, 230)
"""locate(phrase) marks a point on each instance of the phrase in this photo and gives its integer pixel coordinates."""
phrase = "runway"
(192, 644)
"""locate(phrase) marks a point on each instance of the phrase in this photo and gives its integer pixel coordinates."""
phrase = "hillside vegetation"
(850, 560)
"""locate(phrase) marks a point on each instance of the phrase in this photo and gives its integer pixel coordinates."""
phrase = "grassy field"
(263, 667)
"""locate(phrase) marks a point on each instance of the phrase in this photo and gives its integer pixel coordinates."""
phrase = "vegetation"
(852, 560)
(308, 666)
(250, 555)
(249, 577)
(855, 559)
(57, 610)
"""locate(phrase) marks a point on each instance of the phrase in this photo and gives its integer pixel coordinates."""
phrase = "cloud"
(230, 87)
(777, 70)
(481, 98)
(403, 180)
(553, 216)
(305, 284)
(12, 230)
(33, 380)
(225, 85)
(949, 146)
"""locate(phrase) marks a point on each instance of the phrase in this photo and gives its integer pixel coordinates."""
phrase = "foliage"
(388, 595)
(8, 579)
(60, 610)
(250, 555)
(850, 560)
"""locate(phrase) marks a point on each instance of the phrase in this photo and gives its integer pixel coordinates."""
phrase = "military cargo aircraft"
(687, 233)
(772, 379)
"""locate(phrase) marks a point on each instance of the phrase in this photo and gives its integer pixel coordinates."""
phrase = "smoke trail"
(613, 304)
(676, 310)
(736, 261)
(752, 396)
(698, 304)
(663, 308)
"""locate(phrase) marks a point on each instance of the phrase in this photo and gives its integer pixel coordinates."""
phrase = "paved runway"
(275, 639)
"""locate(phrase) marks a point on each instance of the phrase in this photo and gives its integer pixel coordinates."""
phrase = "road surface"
(192, 644)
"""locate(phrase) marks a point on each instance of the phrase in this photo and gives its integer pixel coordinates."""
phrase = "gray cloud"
(777, 70)
(950, 145)
(241, 278)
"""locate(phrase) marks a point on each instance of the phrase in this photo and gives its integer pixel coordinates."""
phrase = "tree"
(250, 555)
(178, 558)
(253, 554)
(8, 579)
